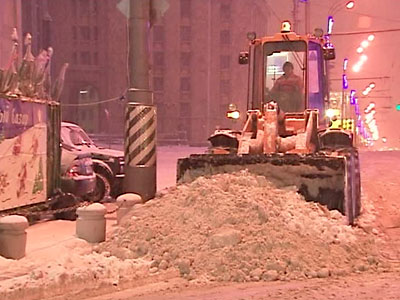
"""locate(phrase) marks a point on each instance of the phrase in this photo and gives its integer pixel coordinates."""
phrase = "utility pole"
(139, 20)
(307, 16)
(295, 14)
(140, 117)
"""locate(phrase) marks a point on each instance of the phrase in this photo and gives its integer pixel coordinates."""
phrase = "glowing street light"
(356, 68)
(364, 44)
(371, 37)
(338, 6)
(360, 50)
(350, 4)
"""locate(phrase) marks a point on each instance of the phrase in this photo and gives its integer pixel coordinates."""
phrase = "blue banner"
(16, 116)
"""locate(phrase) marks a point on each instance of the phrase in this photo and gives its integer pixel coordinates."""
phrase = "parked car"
(77, 182)
(77, 174)
(108, 163)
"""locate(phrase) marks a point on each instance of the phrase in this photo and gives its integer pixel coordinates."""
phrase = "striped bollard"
(140, 150)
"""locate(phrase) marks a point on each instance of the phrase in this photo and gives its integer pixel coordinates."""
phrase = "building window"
(225, 87)
(185, 84)
(74, 33)
(225, 11)
(225, 37)
(84, 32)
(84, 7)
(158, 84)
(185, 33)
(74, 8)
(95, 58)
(158, 33)
(159, 59)
(225, 61)
(186, 6)
(185, 59)
(95, 7)
(95, 33)
(184, 110)
(85, 58)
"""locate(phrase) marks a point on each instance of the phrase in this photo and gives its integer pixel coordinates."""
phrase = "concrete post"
(91, 223)
(13, 236)
(126, 202)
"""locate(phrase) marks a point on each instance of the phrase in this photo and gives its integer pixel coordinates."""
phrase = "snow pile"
(239, 227)
(76, 267)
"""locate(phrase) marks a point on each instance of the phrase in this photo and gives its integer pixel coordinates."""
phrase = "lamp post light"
(341, 5)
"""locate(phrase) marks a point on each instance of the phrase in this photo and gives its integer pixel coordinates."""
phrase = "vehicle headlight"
(330, 113)
(235, 114)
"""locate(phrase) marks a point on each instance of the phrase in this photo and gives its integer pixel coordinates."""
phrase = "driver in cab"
(287, 89)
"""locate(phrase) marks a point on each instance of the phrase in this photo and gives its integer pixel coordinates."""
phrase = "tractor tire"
(102, 189)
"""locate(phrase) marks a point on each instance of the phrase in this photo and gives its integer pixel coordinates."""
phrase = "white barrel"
(126, 202)
(91, 223)
(13, 236)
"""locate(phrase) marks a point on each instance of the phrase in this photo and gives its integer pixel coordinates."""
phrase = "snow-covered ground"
(52, 248)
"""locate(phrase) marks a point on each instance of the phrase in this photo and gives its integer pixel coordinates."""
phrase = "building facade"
(195, 68)
(90, 35)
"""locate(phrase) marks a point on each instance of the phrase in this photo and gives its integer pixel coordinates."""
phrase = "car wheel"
(102, 189)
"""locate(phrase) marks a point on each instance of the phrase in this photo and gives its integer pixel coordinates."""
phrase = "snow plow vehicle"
(288, 135)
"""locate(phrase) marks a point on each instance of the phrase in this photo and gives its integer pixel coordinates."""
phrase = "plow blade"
(331, 180)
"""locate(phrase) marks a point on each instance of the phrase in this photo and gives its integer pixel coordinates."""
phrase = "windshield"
(285, 74)
(78, 136)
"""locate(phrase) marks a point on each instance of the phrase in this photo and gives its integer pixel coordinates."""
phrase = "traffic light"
(398, 107)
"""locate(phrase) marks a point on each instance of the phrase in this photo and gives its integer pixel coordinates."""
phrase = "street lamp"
(339, 6)
(350, 4)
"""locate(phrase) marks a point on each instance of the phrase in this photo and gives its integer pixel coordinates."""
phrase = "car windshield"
(285, 74)
(79, 137)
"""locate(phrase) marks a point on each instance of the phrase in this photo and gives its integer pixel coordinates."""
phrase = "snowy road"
(167, 157)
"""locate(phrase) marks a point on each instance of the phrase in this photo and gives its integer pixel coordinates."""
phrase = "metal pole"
(307, 16)
(139, 24)
(208, 128)
(140, 117)
(295, 13)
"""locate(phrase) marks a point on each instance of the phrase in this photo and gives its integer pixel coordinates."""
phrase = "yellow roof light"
(286, 27)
